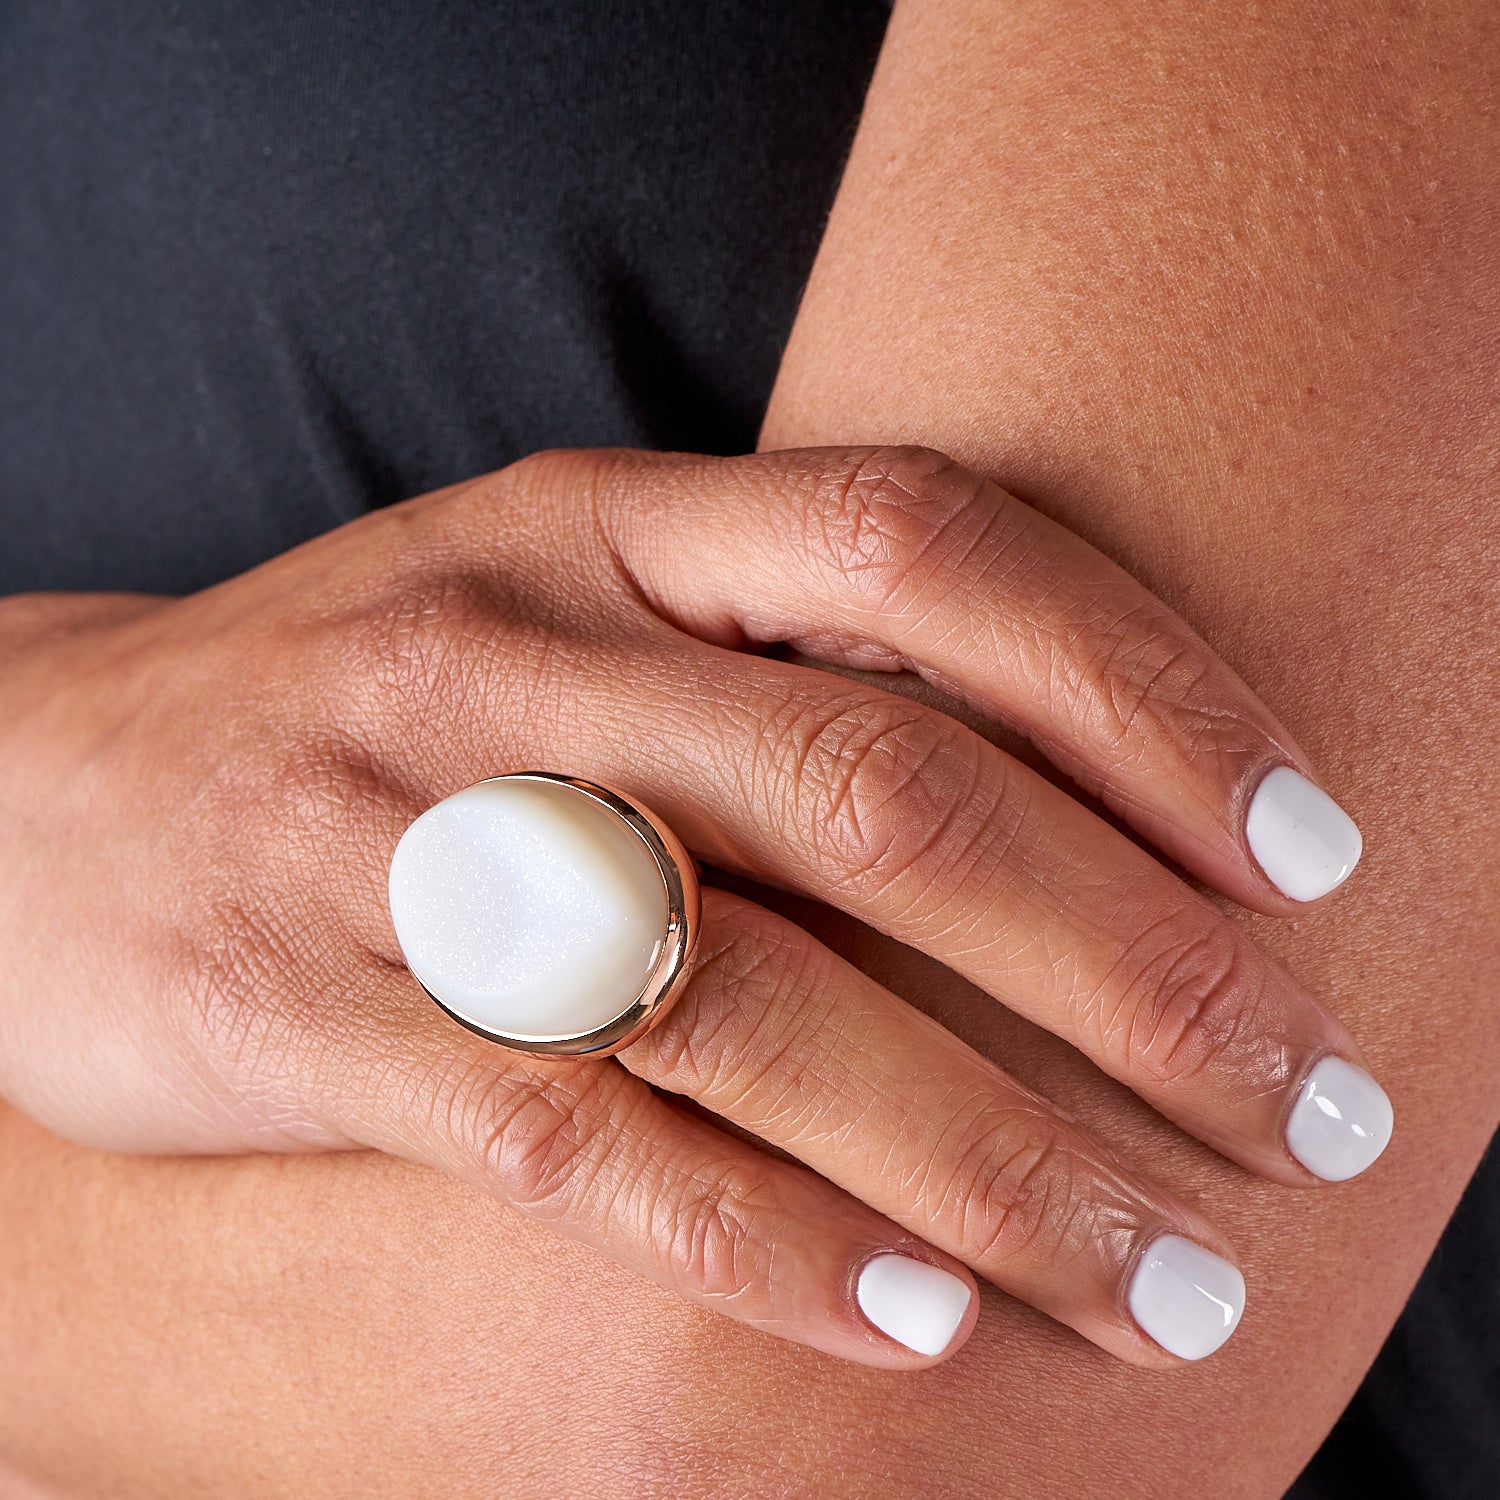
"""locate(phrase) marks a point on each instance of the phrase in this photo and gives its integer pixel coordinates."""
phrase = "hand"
(201, 798)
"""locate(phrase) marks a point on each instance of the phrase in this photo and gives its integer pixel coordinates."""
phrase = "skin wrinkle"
(1200, 1006)
(525, 1132)
(1164, 509)
(849, 765)
(909, 1174)
(938, 847)
(1214, 851)
(857, 543)
(1092, 1003)
(622, 1186)
(239, 1009)
(719, 1252)
(988, 848)
(1081, 688)
(941, 557)
(923, 1193)
(819, 1084)
(901, 521)
(764, 1064)
(696, 1058)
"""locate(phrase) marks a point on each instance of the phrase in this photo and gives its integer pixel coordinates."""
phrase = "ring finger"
(916, 825)
(785, 1039)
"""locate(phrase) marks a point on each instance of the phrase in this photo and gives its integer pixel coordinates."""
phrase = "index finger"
(900, 558)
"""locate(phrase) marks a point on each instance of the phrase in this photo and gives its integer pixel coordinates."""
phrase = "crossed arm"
(1219, 296)
(1218, 289)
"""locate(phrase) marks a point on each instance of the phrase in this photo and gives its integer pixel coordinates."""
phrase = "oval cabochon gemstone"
(529, 908)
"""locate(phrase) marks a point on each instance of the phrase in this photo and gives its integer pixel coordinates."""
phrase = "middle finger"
(921, 828)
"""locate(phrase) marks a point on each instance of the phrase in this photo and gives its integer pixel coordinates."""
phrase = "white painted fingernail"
(917, 1304)
(1341, 1121)
(1304, 841)
(1187, 1298)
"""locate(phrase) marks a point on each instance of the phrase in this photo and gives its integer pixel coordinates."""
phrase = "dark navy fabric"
(1426, 1421)
(268, 264)
(265, 265)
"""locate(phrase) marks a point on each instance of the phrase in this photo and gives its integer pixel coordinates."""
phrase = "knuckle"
(1023, 1203)
(1016, 1187)
(714, 1225)
(531, 1133)
(462, 585)
(877, 523)
(242, 971)
(428, 638)
(268, 958)
(550, 470)
(552, 498)
(450, 644)
(744, 968)
(535, 473)
(883, 790)
(326, 791)
(545, 1145)
(1185, 1004)
(297, 835)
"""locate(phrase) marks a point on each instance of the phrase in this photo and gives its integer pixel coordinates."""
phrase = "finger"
(782, 1037)
(888, 810)
(921, 828)
(594, 1153)
(900, 558)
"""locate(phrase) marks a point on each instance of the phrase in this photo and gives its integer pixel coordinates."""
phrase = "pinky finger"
(600, 1157)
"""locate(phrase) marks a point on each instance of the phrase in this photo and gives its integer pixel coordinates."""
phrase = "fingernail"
(1341, 1121)
(1304, 841)
(1187, 1298)
(917, 1304)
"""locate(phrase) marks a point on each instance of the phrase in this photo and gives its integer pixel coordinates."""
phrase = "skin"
(1406, 953)
(255, 997)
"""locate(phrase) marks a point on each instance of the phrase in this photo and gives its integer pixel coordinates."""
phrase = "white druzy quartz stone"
(528, 908)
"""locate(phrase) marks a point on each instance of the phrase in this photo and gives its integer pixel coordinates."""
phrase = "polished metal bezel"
(668, 979)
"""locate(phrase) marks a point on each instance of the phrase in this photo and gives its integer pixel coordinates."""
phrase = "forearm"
(343, 1324)
(261, 1326)
(1219, 292)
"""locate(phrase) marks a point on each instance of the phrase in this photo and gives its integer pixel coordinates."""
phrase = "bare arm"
(1219, 291)
(1037, 265)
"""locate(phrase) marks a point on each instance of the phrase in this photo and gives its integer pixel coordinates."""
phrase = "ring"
(546, 913)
